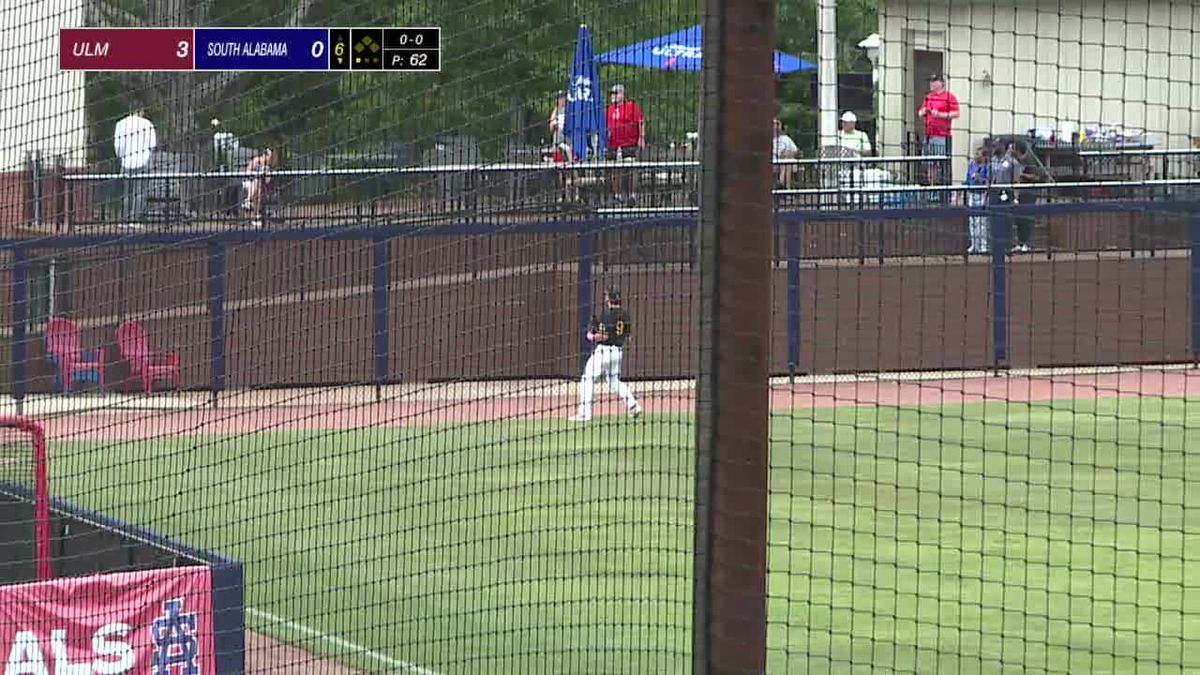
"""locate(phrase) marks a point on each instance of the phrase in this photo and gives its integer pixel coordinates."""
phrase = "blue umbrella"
(585, 105)
(684, 50)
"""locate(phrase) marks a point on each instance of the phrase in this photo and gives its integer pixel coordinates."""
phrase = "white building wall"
(41, 108)
(1020, 64)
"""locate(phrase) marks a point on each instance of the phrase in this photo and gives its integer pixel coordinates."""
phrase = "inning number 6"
(182, 50)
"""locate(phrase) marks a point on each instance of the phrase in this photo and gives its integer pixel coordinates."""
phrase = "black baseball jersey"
(614, 325)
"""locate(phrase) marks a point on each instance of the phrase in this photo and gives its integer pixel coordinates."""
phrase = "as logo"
(175, 642)
(581, 89)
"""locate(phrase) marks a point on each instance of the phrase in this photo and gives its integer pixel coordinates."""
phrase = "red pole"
(41, 490)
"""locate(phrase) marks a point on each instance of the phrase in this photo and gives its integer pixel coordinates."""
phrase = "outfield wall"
(303, 312)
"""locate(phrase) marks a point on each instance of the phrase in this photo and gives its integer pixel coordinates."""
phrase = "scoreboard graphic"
(250, 49)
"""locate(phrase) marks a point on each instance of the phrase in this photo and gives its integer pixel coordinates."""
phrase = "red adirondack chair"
(62, 346)
(149, 366)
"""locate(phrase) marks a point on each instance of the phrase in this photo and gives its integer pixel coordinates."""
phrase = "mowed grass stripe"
(1053, 537)
(1048, 538)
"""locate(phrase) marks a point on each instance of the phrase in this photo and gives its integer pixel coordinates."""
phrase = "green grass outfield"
(991, 538)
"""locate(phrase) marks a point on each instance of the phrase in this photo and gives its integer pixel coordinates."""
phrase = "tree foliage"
(501, 62)
(797, 29)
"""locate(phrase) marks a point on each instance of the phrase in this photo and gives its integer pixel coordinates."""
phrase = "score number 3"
(182, 49)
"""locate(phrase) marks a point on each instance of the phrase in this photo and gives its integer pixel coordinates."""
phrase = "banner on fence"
(154, 621)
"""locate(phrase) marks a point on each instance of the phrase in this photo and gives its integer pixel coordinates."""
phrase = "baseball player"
(609, 334)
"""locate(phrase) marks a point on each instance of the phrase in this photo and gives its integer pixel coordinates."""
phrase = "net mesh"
(983, 463)
(24, 490)
(17, 459)
(356, 378)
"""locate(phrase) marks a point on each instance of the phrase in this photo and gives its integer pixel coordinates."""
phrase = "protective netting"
(985, 461)
(351, 365)
(356, 378)
(24, 492)
(17, 459)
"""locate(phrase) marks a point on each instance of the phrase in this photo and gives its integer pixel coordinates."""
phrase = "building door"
(925, 63)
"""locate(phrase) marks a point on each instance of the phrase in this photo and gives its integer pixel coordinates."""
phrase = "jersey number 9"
(620, 327)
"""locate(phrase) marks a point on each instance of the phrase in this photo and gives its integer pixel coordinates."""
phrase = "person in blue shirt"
(977, 175)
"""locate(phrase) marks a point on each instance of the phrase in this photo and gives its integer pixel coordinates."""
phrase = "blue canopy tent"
(585, 118)
(684, 50)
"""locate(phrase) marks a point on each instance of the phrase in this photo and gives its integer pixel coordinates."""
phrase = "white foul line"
(401, 666)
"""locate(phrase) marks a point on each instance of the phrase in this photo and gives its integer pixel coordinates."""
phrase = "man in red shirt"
(939, 110)
(626, 135)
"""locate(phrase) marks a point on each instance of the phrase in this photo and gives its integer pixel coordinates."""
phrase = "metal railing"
(516, 191)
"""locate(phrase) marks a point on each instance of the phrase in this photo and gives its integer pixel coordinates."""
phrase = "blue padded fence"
(791, 223)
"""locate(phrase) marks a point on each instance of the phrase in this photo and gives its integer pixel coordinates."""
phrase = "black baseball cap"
(613, 294)
(936, 77)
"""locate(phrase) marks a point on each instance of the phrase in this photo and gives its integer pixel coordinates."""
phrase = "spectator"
(1002, 171)
(783, 148)
(134, 141)
(255, 185)
(1030, 172)
(939, 110)
(851, 138)
(561, 152)
(977, 176)
(558, 123)
(626, 136)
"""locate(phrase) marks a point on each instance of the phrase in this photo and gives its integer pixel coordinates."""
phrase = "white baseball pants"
(605, 362)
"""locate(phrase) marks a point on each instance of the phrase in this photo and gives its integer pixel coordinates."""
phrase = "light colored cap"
(849, 117)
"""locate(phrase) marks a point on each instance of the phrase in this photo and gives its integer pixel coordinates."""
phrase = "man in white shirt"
(852, 138)
(783, 147)
(135, 141)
